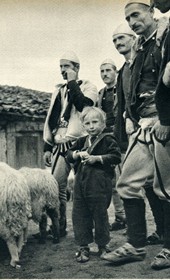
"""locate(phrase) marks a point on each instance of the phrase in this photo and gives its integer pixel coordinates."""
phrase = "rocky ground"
(51, 261)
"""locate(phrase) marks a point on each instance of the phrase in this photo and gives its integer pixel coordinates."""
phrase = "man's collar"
(152, 35)
(142, 40)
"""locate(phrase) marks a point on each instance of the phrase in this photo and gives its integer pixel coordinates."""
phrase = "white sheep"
(44, 200)
(15, 210)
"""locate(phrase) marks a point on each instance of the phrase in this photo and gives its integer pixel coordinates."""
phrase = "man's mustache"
(134, 27)
(120, 45)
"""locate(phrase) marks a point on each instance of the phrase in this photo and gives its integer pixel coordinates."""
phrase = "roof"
(20, 102)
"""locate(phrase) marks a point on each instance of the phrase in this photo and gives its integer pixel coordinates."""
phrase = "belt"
(62, 148)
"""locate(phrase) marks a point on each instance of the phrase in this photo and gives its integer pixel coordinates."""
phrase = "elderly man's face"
(162, 5)
(123, 43)
(139, 18)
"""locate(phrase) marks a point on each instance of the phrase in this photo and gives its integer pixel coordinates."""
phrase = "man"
(107, 95)
(161, 131)
(138, 164)
(108, 103)
(63, 126)
(123, 39)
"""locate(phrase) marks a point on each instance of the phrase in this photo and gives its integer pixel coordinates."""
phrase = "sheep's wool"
(15, 208)
(43, 189)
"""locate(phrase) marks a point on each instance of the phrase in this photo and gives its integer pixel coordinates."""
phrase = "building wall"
(21, 144)
(3, 147)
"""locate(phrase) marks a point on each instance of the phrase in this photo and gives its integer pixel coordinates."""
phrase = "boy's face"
(93, 125)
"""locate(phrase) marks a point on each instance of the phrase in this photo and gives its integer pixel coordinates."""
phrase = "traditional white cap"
(123, 28)
(108, 61)
(144, 2)
(71, 56)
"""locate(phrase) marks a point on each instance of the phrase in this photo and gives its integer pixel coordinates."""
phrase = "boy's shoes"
(118, 224)
(126, 253)
(83, 254)
(154, 239)
(162, 260)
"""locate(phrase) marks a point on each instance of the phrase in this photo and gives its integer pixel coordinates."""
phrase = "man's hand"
(162, 132)
(47, 158)
(71, 75)
(129, 126)
(166, 75)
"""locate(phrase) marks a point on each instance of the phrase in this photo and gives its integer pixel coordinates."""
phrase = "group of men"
(137, 106)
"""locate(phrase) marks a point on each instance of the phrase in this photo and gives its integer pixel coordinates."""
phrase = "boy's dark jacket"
(105, 145)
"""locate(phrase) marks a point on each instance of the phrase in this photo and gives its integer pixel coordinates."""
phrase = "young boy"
(95, 157)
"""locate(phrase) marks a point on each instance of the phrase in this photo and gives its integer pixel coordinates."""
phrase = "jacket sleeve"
(85, 97)
(47, 133)
(47, 147)
(77, 146)
(69, 154)
(113, 155)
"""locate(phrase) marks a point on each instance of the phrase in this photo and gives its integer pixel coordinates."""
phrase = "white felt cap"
(123, 28)
(108, 61)
(144, 2)
(71, 56)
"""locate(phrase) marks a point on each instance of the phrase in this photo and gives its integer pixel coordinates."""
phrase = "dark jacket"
(145, 73)
(162, 97)
(105, 145)
(108, 104)
(120, 130)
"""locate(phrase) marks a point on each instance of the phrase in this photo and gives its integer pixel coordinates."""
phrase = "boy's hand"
(82, 155)
(92, 159)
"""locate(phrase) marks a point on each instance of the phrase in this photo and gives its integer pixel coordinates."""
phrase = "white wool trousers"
(60, 173)
(162, 169)
(138, 165)
(146, 160)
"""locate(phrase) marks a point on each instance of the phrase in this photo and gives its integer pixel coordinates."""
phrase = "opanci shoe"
(162, 260)
(125, 254)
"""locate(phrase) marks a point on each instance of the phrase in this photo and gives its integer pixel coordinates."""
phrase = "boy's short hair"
(95, 111)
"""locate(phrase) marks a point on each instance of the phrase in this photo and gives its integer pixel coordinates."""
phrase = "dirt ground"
(51, 261)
